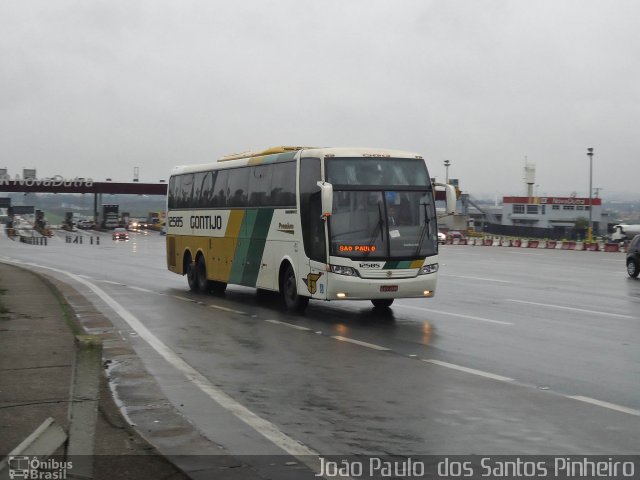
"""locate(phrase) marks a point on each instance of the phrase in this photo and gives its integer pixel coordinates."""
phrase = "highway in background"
(522, 351)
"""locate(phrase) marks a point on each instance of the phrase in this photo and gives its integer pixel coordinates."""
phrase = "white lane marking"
(139, 289)
(226, 309)
(611, 406)
(477, 278)
(85, 276)
(185, 299)
(561, 307)
(469, 317)
(473, 371)
(291, 325)
(527, 253)
(103, 281)
(267, 429)
(362, 344)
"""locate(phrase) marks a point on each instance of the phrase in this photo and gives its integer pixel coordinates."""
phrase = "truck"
(156, 220)
(623, 232)
(110, 216)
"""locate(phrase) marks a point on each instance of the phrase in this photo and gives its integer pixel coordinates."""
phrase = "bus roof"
(284, 153)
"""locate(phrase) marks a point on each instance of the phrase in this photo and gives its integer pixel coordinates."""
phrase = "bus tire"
(217, 287)
(632, 268)
(288, 287)
(382, 302)
(201, 275)
(192, 273)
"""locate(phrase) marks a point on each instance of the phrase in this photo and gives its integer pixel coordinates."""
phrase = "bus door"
(313, 255)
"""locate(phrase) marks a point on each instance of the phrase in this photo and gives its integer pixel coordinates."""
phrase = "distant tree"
(581, 223)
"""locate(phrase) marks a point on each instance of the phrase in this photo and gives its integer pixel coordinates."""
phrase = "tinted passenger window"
(186, 191)
(207, 193)
(220, 189)
(238, 187)
(283, 190)
(174, 183)
(260, 178)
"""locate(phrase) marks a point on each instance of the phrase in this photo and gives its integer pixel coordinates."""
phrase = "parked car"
(86, 224)
(633, 257)
(120, 234)
(442, 238)
(452, 234)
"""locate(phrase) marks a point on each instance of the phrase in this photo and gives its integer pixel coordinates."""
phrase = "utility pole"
(590, 231)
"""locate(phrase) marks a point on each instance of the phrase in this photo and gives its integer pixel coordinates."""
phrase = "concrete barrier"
(550, 244)
(591, 247)
(487, 242)
(533, 243)
(568, 245)
(516, 243)
(611, 247)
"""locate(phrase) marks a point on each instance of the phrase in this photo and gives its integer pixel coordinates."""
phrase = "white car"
(442, 238)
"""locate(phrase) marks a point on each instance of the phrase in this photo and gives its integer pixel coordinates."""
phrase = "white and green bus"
(321, 223)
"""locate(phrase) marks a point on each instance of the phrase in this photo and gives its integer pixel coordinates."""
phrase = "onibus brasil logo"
(25, 467)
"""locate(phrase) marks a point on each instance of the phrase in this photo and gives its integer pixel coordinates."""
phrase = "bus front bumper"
(344, 287)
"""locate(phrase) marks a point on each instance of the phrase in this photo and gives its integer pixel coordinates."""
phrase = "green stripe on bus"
(250, 248)
(394, 264)
(256, 246)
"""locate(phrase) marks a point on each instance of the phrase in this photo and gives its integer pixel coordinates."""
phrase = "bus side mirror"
(326, 195)
(450, 192)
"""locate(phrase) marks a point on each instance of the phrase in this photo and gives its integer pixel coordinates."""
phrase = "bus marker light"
(341, 295)
(428, 293)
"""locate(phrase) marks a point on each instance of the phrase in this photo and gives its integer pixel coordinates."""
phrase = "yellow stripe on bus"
(223, 249)
(416, 264)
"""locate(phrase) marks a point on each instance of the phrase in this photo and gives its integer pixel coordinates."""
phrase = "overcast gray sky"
(96, 88)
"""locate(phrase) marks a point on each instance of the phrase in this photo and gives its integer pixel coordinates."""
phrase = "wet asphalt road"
(521, 351)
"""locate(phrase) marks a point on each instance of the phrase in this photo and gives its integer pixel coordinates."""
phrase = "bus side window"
(238, 187)
(186, 191)
(206, 197)
(260, 185)
(220, 189)
(283, 190)
(311, 210)
(198, 181)
(172, 191)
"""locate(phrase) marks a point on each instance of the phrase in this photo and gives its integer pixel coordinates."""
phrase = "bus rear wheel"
(201, 275)
(382, 302)
(192, 274)
(292, 301)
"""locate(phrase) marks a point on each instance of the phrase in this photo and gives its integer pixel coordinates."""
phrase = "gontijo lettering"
(205, 222)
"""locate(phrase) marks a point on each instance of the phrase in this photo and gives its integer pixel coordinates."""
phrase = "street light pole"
(590, 231)
(446, 166)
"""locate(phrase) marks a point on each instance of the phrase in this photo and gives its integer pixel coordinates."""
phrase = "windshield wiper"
(423, 231)
(375, 232)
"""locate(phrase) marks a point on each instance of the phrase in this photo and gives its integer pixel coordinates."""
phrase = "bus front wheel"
(382, 302)
(293, 302)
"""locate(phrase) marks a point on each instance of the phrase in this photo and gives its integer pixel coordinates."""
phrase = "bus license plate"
(388, 288)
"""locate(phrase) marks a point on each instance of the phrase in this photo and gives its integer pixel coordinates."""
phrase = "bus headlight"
(340, 270)
(431, 268)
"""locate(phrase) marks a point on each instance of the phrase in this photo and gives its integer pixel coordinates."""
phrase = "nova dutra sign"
(55, 181)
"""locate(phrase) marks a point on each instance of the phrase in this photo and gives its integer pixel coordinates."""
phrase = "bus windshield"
(382, 208)
(375, 171)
